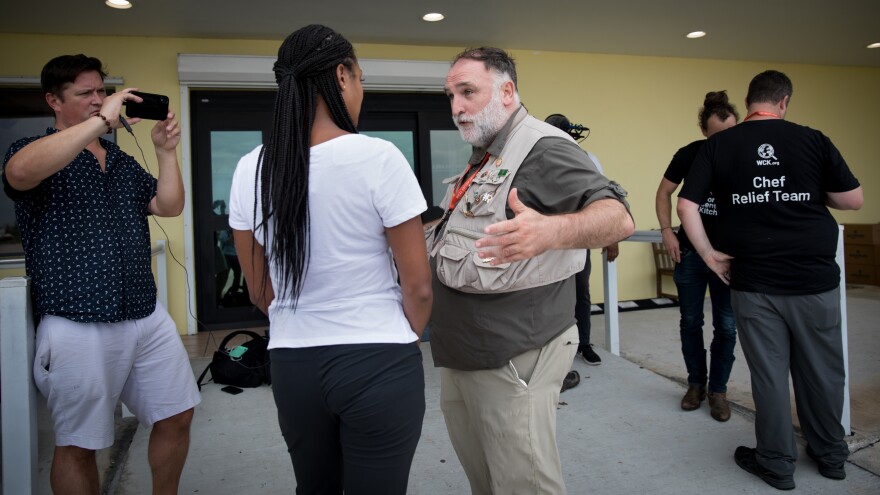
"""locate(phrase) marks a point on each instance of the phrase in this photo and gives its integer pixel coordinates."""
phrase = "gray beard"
(486, 123)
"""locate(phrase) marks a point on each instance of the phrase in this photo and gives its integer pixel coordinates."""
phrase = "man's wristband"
(664, 228)
(107, 123)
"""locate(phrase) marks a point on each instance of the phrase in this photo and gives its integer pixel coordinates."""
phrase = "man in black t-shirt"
(773, 181)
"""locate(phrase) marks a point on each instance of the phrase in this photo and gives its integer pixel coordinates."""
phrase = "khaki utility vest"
(458, 265)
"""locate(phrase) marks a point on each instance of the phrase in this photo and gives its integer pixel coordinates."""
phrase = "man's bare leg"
(74, 471)
(169, 445)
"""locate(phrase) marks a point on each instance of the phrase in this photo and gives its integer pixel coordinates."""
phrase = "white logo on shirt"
(767, 152)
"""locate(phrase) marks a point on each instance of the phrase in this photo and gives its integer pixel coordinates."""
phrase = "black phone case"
(154, 107)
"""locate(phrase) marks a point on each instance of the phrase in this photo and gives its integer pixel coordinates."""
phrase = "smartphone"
(154, 107)
(229, 389)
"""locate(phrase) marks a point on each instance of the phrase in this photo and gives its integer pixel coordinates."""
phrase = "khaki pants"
(502, 422)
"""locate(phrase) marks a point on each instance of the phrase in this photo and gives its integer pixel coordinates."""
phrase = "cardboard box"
(860, 254)
(861, 233)
(861, 274)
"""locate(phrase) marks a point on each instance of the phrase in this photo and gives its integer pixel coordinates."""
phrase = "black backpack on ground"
(246, 368)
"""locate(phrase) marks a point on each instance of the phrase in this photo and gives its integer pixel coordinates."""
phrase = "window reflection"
(231, 291)
(449, 156)
(227, 147)
(402, 139)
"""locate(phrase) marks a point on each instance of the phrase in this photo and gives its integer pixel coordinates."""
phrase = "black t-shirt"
(770, 179)
(676, 172)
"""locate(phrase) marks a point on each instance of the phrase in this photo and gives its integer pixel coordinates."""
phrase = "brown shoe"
(718, 407)
(693, 397)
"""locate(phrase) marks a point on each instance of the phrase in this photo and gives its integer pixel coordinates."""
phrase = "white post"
(19, 395)
(845, 417)
(188, 213)
(612, 327)
(161, 272)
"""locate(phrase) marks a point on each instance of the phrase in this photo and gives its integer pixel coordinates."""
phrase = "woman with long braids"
(317, 214)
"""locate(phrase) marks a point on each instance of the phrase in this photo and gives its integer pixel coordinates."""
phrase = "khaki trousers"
(502, 422)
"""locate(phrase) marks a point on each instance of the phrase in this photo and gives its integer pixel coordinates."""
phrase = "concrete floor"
(620, 431)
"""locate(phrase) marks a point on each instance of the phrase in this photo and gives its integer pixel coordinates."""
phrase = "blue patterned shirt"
(86, 239)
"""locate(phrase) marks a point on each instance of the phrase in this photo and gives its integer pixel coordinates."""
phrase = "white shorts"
(84, 369)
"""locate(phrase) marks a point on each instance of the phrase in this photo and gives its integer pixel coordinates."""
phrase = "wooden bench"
(665, 267)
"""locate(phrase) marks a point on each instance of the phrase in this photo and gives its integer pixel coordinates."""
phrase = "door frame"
(196, 71)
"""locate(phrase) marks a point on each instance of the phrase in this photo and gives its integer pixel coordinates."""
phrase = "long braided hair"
(306, 66)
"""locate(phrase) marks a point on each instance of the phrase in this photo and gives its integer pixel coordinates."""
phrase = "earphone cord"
(168, 247)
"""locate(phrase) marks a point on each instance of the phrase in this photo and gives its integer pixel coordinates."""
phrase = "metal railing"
(11, 263)
(18, 404)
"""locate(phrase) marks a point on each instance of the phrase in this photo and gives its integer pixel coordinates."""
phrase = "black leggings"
(351, 415)
(582, 304)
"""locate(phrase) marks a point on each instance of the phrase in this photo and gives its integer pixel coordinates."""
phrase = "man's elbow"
(628, 226)
(850, 200)
(857, 204)
(856, 200)
(17, 177)
(683, 207)
(177, 209)
(168, 208)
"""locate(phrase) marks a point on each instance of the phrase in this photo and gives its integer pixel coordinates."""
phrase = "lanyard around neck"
(462, 186)
(762, 114)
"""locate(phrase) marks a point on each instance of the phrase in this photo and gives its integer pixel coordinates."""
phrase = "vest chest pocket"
(460, 267)
(484, 194)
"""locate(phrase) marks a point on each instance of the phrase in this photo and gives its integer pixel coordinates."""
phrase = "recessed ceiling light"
(874, 45)
(433, 17)
(118, 4)
(695, 34)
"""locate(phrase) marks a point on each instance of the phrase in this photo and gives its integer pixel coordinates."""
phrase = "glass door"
(229, 124)
(226, 126)
(420, 125)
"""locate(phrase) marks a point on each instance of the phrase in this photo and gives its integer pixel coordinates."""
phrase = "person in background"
(506, 250)
(774, 181)
(692, 276)
(102, 336)
(320, 217)
(582, 278)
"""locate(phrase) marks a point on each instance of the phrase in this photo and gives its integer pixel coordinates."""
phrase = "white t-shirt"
(595, 160)
(358, 186)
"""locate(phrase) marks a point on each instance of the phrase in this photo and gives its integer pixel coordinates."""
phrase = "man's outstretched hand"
(525, 236)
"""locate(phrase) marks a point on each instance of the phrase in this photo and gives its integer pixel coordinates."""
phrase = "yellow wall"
(640, 110)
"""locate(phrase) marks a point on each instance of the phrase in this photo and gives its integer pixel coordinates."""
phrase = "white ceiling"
(794, 31)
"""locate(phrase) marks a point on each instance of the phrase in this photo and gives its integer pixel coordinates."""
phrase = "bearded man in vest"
(517, 221)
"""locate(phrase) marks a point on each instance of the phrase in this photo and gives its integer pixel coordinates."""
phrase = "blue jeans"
(692, 276)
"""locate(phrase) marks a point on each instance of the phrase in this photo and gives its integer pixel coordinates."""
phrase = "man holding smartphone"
(82, 206)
